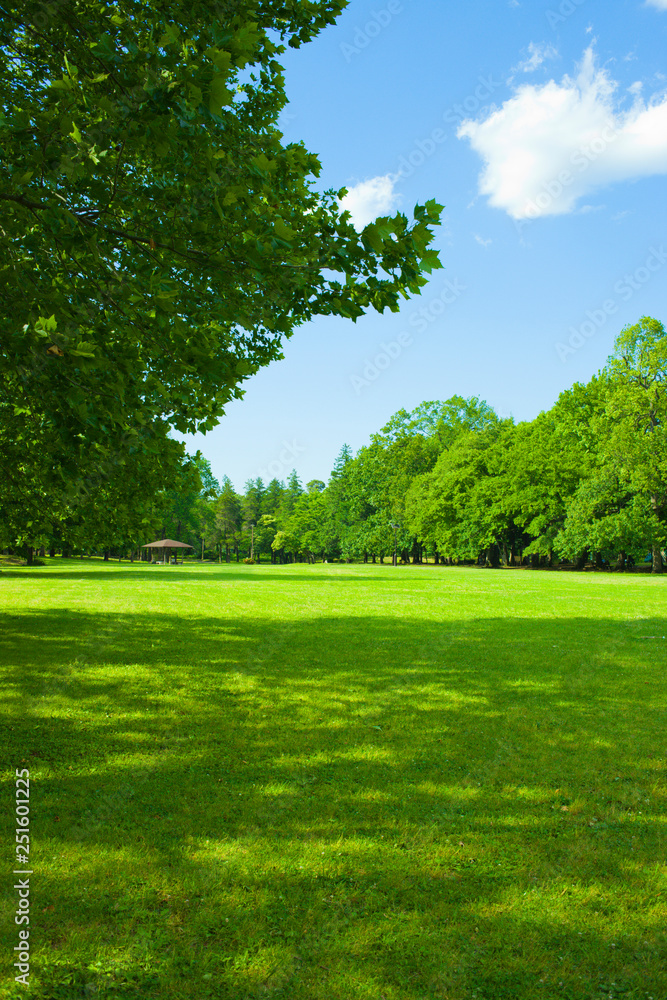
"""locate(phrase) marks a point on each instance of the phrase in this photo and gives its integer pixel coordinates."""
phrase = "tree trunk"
(492, 556)
(657, 566)
(106, 555)
(620, 560)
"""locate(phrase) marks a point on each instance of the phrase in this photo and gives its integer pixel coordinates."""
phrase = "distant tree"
(272, 497)
(187, 503)
(459, 505)
(637, 408)
(228, 518)
(291, 493)
(252, 503)
(407, 447)
(549, 457)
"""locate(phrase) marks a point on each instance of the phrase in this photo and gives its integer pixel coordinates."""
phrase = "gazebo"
(166, 543)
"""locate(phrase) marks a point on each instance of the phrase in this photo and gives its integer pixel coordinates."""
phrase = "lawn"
(336, 782)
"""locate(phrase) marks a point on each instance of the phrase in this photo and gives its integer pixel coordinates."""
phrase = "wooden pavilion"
(167, 544)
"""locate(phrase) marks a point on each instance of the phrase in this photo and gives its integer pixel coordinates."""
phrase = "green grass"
(337, 782)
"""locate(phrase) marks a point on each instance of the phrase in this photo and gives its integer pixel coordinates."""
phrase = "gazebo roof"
(167, 543)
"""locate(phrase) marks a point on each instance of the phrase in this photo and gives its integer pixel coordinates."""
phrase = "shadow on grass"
(341, 807)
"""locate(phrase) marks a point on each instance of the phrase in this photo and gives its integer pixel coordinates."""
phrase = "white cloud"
(537, 54)
(660, 4)
(482, 242)
(550, 145)
(369, 199)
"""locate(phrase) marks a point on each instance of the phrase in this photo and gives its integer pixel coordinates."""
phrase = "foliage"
(159, 240)
(450, 481)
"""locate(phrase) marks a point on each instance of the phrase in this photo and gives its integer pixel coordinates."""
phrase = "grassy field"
(336, 782)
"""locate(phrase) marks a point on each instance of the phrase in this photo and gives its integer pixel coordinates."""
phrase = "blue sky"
(542, 127)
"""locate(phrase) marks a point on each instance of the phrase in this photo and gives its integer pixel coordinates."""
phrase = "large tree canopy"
(159, 239)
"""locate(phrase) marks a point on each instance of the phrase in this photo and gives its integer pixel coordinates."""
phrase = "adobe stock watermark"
(581, 159)
(455, 115)
(566, 8)
(624, 289)
(285, 461)
(419, 320)
(22, 885)
(363, 36)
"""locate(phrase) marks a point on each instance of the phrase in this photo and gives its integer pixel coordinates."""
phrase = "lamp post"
(395, 527)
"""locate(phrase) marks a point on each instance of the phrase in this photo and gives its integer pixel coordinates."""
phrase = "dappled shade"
(432, 804)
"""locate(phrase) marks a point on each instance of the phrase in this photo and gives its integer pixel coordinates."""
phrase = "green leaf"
(371, 238)
(282, 230)
(219, 95)
(430, 261)
(83, 350)
(220, 58)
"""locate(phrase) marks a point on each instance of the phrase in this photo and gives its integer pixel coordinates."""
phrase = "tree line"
(454, 482)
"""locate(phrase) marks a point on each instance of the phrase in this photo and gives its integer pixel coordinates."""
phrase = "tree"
(407, 447)
(228, 517)
(637, 408)
(460, 505)
(607, 518)
(158, 238)
(272, 497)
(291, 493)
(302, 532)
(265, 532)
(189, 504)
(548, 459)
(253, 499)
(336, 511)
